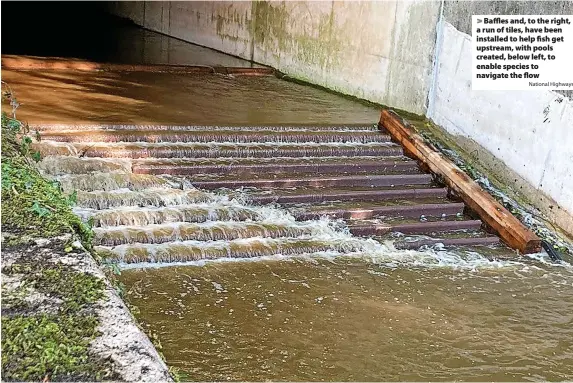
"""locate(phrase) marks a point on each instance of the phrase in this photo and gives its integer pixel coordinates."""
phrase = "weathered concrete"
(133, 10)
(120, 341)
(379, 51)
(530, 132)
(459, 13)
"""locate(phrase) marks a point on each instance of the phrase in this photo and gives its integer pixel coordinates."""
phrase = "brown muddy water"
(69, 97)
(359, 311)
(405, 315)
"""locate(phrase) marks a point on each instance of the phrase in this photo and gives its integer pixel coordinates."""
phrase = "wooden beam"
(508, 227)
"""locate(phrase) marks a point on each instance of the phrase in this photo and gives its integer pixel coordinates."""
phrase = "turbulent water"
(238, 291)
(325, 305)
(385, 317)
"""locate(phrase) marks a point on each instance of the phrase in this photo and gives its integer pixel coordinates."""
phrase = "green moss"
(178, 375)
(268, 24)
(33, 206)
(53, 346)
(47, 320)
(76, 289)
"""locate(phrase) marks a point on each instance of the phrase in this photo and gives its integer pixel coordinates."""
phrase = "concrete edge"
(23, 63)
(508, 227)
(132, 353)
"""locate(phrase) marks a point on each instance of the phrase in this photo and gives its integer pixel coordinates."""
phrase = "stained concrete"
(459, 13)
(528, 132)
(134, 45)
(380, 51)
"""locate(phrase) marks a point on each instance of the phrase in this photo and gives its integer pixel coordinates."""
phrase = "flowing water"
(415, 316)
(239, 291)
(236, 287)
(249, 293)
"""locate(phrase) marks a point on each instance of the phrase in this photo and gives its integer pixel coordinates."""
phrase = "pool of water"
(364, 318)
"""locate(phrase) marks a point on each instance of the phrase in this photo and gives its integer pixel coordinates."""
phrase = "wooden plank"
(508, 227)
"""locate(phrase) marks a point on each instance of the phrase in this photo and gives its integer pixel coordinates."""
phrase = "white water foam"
(332, 233)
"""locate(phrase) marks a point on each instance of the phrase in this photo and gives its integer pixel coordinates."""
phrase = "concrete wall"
(529, 131)
(524, 138)
(459, 13)
(133, 10)
(380, 51)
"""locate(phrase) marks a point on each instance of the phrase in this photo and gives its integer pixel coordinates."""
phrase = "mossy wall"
(380, 51)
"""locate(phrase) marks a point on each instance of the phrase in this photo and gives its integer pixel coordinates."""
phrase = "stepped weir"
(270, 230)
(186, 193)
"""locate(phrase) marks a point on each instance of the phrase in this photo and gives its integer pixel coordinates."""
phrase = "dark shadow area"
(61, 29)
(84, 30)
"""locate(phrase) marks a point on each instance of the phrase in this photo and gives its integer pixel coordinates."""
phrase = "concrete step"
(225, 150)
(411, 211)
(350, 172)
(218, 151)
(322, 182)
(377, 229)
(306, 166)
(483, 240)
(109, 181)
(48, 128)
(205, 136)
(320, 196)
(229, 161)
(182, 251)
(208, 231)
(157, 197)
(151, 215)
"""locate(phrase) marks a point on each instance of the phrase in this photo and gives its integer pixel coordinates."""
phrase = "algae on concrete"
(61, 318)
(46, 322)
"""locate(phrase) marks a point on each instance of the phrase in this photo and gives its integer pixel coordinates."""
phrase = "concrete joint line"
(436, 62)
